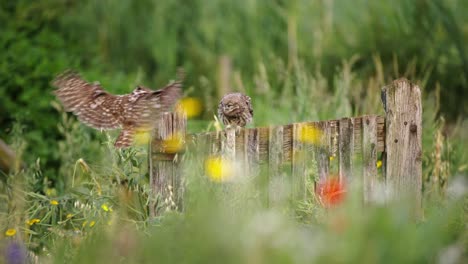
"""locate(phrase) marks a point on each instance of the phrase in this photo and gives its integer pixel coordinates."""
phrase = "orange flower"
(330, 192)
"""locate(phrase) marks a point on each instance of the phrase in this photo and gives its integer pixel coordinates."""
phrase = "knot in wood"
(413, 128)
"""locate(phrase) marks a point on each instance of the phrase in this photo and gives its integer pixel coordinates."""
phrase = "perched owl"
(235, 109)
(99, 109)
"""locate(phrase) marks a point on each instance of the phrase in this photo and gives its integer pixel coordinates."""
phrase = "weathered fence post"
(276, 180)
(165, 176)
(403, 170)
(346, 147)
(369, 155)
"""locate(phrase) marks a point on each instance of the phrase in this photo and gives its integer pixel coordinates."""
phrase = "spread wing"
(149, 107)
(146, 110)
(88, 101)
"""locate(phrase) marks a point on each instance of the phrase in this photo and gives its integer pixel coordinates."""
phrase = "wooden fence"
(351, 146)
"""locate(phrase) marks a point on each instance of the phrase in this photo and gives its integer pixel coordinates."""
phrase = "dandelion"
(33, 221)
(69, 216)
(174, 143)
(54, 202)
(192, 107)
(10, 232)
(332, 158)
(105, 208)
(310, 134)
(142, 136)
(218, 169)
(330, 192)
(378, 164)
(92, 223)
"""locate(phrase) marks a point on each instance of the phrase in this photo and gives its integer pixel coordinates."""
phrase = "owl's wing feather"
(88, 101)
(149, 108)
(125, 138)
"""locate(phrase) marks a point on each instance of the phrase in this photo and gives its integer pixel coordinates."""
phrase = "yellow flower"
(54, 202)
(379, 164)
(69, 216)
(10, 232)
(33, 221)
(142, 136)
(105, 207)
(174, 143)
(92, 223)
(51, 192)
(191, 106)
(332, 158)
(218, 169)
(310, 134)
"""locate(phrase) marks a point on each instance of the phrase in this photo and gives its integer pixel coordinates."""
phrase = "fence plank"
(403, 168)
(228, 144)
(165, 172)
(345, 147)
(369, 155)
(252, 151)
(299, 157)
(324, 151)
(276, 179)
(288, 138)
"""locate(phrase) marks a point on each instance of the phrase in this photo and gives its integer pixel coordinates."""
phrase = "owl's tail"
(125, 138)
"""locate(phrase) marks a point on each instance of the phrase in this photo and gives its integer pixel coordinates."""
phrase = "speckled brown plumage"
(235, 109)
(99, 109)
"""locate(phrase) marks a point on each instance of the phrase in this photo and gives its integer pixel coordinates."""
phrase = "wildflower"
(332, 158)
(218, 169)
(142, 136)
(54, 202)
(174, 143)
(330, 191)
(192, 107)
(379, 164)
(92, 223)
(33, 221)
(10, 232)
(16, 252)
(69, 216)
(310, 134)
(105, 208)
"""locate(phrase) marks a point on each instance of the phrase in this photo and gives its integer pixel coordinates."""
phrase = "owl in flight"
(101, 110)
(235, 109)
